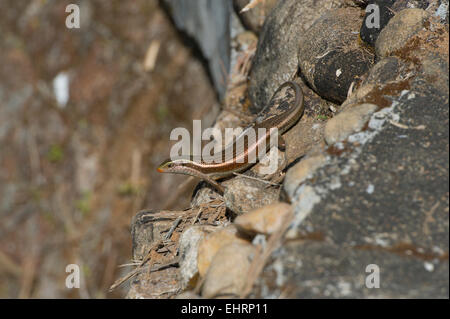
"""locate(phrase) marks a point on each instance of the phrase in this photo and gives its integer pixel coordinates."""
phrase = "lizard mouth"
(160, 170)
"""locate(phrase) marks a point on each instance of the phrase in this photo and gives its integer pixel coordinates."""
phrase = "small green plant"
(322, 117)
(84, 203)
(127, 189)
(86, 270)
(163, 112)
(55, 154)
(36, 194)
(48, 216)
(83, 124)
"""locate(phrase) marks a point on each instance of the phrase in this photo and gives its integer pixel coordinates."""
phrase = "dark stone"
(335, 88)
(370, 35)
(330, 55)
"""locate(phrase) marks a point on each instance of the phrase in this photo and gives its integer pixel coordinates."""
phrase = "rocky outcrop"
(363, 207)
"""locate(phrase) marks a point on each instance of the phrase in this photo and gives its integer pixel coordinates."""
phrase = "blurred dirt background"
(72, 174)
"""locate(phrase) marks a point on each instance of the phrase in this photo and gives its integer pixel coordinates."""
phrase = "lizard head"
(172, 166)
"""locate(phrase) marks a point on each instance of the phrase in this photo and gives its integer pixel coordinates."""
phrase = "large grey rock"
(397, 187)
(316, 269)
(384, 201)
